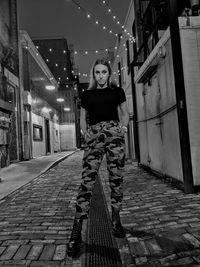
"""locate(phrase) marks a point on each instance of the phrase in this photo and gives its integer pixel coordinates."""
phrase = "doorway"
(47, 137)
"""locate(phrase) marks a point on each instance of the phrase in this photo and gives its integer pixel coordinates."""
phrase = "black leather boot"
(73, 246)
(117, 228)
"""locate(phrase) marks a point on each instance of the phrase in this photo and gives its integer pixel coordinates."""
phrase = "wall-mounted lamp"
(50, 87)
(60, 99)
(66, 109)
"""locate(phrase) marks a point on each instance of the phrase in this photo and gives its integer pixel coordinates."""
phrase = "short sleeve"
(122, 96)
(83, 101)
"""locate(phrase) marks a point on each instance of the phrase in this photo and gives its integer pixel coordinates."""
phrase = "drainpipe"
(135, 117)
(180, 97)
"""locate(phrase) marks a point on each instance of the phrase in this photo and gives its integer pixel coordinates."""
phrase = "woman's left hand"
(123, 129)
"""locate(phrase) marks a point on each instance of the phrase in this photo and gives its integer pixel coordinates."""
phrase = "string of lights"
(84, 51)
(115, 18)
(85, 74)
(97, 22)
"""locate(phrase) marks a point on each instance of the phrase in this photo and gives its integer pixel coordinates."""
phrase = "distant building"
(40, 114)
(58, 57)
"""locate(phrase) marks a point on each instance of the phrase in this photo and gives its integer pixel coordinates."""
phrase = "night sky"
(45, 18)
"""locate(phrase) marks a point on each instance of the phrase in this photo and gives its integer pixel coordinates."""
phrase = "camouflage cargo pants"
(105, 138)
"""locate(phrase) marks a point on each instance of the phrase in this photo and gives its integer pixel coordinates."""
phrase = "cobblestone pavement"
(36, 220)
(162, 223)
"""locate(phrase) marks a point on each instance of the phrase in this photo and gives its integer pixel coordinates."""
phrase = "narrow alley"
(162, 223)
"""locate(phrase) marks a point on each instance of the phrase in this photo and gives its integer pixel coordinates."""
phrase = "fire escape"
(152, 19)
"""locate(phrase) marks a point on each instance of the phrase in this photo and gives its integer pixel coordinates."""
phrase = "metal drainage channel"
(101, 247)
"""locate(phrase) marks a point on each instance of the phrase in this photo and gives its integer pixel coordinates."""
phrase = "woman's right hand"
(86, 135)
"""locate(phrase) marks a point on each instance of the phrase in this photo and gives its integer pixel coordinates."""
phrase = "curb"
(53, 164)
(57, 162)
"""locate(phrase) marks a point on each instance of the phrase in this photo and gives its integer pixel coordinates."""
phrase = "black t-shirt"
(101, 104)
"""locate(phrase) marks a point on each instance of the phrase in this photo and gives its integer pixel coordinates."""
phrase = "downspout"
(180, 97)
(135, 117)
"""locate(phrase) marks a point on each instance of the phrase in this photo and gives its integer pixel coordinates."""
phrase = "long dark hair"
(93, 82)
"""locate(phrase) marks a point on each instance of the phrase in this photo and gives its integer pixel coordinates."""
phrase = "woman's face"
(101, 75)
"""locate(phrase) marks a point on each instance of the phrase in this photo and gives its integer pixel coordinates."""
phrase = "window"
(11, 94)
(37, 133)
(7, 91)
(134, 43)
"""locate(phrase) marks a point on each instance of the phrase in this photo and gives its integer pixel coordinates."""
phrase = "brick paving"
(36, 220)
(162, 223)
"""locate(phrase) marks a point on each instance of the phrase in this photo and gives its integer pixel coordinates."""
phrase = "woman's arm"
(124, 116)
(83, 123)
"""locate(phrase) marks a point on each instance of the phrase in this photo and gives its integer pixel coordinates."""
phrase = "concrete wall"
(67, 136)
(159, 135)
(157, 114)
(190, 40)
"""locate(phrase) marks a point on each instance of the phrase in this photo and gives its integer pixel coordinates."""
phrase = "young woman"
(104, 130)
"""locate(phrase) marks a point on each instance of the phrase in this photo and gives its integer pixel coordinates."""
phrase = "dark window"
(134, 43)
(11, 94)
(37, 133)
(7, 91)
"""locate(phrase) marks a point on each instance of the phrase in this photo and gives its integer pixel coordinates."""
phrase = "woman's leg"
(115, 154)
(92, 158)
(91, 162)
